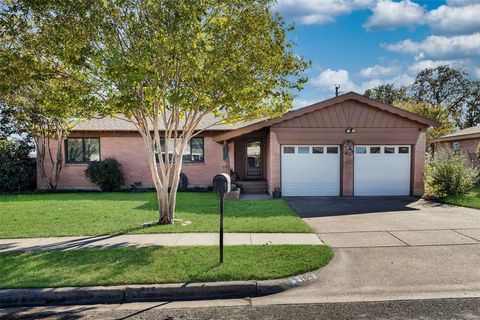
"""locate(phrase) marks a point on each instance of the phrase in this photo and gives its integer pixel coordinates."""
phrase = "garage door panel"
(382, 174)
(310, 174)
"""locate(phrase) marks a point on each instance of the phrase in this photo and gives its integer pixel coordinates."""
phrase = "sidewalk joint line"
(397, 238)
(465, 235)
(388, 230)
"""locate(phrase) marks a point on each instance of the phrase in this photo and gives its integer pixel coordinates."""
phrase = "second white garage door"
(382, 170)
(310, 171)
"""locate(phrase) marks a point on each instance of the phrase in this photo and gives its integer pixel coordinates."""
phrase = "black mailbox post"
(221, 184)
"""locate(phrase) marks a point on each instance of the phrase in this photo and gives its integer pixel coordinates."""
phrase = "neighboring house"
(464, 141)
(349, 145)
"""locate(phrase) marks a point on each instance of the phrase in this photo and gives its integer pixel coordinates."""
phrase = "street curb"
(145, 293)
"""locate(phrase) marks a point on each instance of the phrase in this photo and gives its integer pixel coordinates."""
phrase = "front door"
(254, 159)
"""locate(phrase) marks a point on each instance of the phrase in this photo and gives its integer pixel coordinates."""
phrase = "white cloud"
(476, 73)
(440, 46)
(461, 2)
(300, 103)
(454, 20)
(390, 15)
(424, 64)
(327, 80)
(378, 71)
(318, 11)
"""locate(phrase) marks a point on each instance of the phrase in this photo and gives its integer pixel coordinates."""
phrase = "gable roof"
(468, 133)
(121, 123)
(424, 121)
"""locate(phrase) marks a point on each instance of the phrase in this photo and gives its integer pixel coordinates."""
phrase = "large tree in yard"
(166, 65)
(41, 98)
(444, 87)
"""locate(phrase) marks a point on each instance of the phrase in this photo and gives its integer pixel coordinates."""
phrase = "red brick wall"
(347, 172)
(273, 162)
(418, 161)
(467, 146)
(129, 150)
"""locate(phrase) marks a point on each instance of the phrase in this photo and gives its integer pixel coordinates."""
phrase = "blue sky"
(363, 43)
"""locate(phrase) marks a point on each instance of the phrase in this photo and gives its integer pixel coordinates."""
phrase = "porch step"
(254, 187)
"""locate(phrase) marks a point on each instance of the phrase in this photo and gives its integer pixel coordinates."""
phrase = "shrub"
(17, 169)
(447, 174)
(106, 174)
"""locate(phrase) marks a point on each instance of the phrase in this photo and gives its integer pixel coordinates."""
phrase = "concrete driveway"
(387, 221)
(390, 249)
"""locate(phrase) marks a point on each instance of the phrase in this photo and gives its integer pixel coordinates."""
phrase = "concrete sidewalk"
(142, 240)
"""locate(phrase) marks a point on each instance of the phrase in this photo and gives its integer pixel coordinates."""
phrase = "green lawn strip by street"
(471, 200)
(148, 265)
(88, 214)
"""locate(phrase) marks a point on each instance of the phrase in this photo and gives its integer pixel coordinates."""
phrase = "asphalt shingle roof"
(117, 124)
(464, 132)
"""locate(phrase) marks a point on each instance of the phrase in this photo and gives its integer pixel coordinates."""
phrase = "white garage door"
(310, 170)
(382, 170)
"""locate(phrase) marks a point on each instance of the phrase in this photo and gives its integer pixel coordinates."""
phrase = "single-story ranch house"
(349, 145)
(464, 141)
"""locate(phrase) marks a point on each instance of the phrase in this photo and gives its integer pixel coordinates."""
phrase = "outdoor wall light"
(350, 130)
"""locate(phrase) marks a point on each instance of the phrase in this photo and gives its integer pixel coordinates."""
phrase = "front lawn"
(88, 214)
(471, 200)
(122, 266)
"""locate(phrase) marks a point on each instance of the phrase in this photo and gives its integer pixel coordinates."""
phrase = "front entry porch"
(250, 162)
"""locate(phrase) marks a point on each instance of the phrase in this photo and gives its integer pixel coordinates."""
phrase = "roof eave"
(457, 137)
(427, 122)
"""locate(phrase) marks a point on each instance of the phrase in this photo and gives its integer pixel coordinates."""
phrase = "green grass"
(121, 266)
(471, 200)
(88, 214)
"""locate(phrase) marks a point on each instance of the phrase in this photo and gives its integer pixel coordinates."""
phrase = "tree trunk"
(43, 147)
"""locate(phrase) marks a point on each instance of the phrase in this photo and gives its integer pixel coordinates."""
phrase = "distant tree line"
(443, 93)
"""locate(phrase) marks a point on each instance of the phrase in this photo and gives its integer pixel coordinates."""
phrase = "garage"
(382, 170)
(349, 145)
(310, 170)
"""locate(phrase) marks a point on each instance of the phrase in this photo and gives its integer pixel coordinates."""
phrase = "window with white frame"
(194, 150)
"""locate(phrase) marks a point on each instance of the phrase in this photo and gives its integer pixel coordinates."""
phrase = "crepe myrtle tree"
(165, 65)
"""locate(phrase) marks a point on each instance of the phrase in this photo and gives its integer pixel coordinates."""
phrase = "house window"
(82, 150)
(389, 150)
(332, 149)
(361, 150)
(456, 147)
(374, 149)
(403, 149)
(194, 150)
(304, 150)
(317, 149)
(288, 149)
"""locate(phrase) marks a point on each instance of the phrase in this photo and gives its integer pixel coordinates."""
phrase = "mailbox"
(221, 183)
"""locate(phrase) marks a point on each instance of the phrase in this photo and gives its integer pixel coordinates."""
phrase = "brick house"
(349, 145)
(463, 141)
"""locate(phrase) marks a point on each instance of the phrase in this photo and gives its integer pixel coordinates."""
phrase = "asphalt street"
(412, 309)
